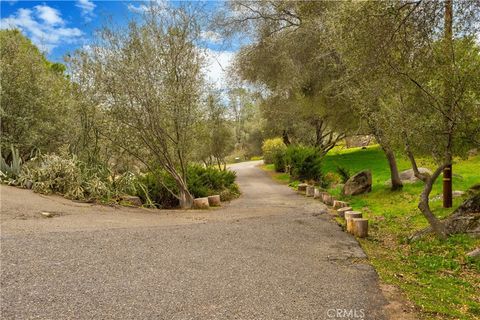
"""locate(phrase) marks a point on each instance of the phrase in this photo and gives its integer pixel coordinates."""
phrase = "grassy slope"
(434, 274)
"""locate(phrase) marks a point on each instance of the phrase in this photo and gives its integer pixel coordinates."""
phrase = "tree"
(426, 72)
(215, 133)
(295, 69)
(36, 98)
(148, 80)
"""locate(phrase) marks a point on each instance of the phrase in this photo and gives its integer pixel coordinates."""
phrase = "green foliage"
(304, 163)
(11, 170)
(36, 98)
(344, 173)
(64, 174)
(279, 161)
(271, 147)
(201, 182)
(435, 274)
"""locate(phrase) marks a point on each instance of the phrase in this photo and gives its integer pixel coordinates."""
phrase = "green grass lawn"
(435, 275)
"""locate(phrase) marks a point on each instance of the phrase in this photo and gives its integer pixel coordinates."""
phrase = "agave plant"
(13, 169)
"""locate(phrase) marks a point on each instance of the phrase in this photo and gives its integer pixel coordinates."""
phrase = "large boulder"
(409, 176)
(466, 218)
(359, 183)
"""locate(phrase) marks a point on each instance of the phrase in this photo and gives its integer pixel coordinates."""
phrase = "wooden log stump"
(328, 199)
(214, 201)
(341, 211)
(302, 187)
(322, 194)
(349, 216)
(360, 227)
(201, 203)
(309, 192)
(339, 204)
(317, 194)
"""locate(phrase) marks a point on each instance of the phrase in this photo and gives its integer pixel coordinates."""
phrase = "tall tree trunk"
(392, 163)
(184, 197)
(437, 226)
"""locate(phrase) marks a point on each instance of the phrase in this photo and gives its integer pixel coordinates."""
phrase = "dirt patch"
(398, 307)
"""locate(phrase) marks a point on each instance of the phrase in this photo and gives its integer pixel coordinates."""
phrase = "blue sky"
(60, 27)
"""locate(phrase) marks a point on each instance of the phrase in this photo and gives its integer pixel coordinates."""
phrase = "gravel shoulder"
(271, 254)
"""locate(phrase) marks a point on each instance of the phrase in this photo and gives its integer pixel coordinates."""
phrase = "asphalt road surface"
(272, 254)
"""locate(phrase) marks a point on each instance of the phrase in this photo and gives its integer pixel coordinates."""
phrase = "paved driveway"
(271, 254)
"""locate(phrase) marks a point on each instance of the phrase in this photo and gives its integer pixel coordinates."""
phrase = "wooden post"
(341, 211)
(309, 192)
(201, 203)
(349, 216)
(316, 193)
(447, 186)
(339, 204)
(360, 227)
(302, 187)
(214, 201)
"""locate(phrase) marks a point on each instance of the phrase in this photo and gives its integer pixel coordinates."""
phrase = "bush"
(344, 173)
(201, 182)
(279, 161)
(64, 174)
(304, 163)
(271, 147)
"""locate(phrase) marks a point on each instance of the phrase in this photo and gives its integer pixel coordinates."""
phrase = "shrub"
(201, 182)
(271, 147)
(331, 178)
(344, 173)
(64, 174)
(11, 171)
(279, 161)
(156, 189)
(304, 163)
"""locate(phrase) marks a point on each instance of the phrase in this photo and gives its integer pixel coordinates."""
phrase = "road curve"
(272, 254)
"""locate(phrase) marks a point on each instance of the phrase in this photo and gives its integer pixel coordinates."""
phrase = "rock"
(201, 203)
(29, 184)
(409, 176)
(472, 153)
(214, 201)
(133, 200)
(302, 187)
(458, 193)
(309, 192)
(341, 211)
(475, 254)
(339, 204)
(358, 141)
(359, 183)
(47, 214)
(466, 218)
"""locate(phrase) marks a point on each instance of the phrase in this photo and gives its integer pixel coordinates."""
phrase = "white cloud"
(43, 25)
(87, 8)
(218, 63)
(211, 36)
(141, 8)
(49, 15)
